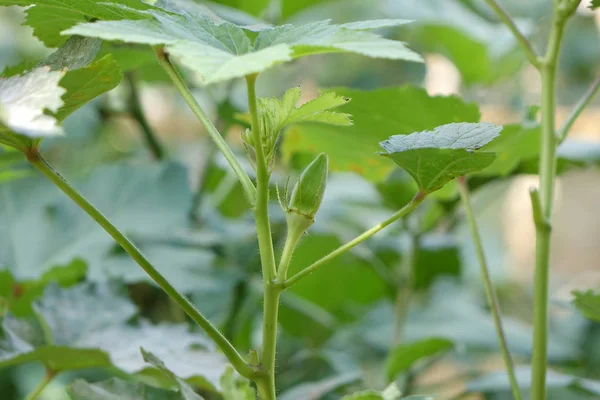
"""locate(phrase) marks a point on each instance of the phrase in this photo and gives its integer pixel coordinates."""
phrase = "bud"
(308, 193)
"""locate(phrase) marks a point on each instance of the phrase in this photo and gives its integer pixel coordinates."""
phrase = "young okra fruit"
(307, 195)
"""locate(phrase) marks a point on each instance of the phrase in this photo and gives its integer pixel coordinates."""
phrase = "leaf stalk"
(226, 347)
(490, 292)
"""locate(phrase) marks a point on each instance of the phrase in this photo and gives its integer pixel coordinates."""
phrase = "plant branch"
(490, 292)
(230, 352)
(563, 10)
(523, 41)
(354, 242)
(405, 287)
(135, 108)
(267, 254)
(577, 110)
(48, 376)
(214, 134)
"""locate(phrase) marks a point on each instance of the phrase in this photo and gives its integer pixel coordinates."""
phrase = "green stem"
(230, 352)
(508, 21)
(490, 292)
(135, 108)
(48, 376)
(247, 184)
(405, 288)
(354, 242)
(578, 109)
(267, 254)
(291, 241)
(547, 170)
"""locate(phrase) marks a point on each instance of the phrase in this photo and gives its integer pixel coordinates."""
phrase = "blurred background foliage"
(413, 289)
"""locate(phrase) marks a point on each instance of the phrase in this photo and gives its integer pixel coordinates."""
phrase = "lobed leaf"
(433, 158)
(221, 51)
(186, 392)
(275, 115)
(50, 17)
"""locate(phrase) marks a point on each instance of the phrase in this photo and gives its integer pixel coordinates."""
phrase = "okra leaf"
(433, 158)
(117, 389)
(23, 102)
(376, 115)
(50, 17)
(186, 392)
(97, 332)
(277, 114)
(155, 199)
(221, 51)
(404, 356)
(85, 84)
(588, 303)
(595, 4)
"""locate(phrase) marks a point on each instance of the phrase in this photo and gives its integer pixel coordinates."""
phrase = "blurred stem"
(578, 109)
(563, 10)
(230, 352)
(405, 289)
(267, 255)
(48, 376)
(135, 108)
(354, 242)
(523, 41)
(245, 180)
(490, 292)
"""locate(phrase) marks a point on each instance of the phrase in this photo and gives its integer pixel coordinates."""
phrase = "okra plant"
(70, 326)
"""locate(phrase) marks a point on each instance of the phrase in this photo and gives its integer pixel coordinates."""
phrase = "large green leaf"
(117, 389)
(433, 158)
(377, 115)
(404, 356)
(96, 332)
(142, 201)
(23, 101)
(588, 303)
(220, 51)
(50, 17)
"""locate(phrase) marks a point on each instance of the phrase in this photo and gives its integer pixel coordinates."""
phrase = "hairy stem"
(48, 376)
(563, 9)
(354, 242)
(404, 290)
(291, 241)
(577, 110)
(490, 292)
(267, 254)
(523, 41)
(214, 134)
(226, 347)
(135, 108)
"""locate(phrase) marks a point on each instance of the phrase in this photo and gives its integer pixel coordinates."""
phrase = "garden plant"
(68, 315)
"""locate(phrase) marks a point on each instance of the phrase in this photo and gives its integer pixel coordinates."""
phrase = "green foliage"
(433, 158)
(235, 387)
(49, 18)
(588, 303)
(156, 199)
(377, 115)
(185, 390)
(117, 389)
(223, 51)
(23, 100)
(594, 4)
(275, 115)
(404, 356)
